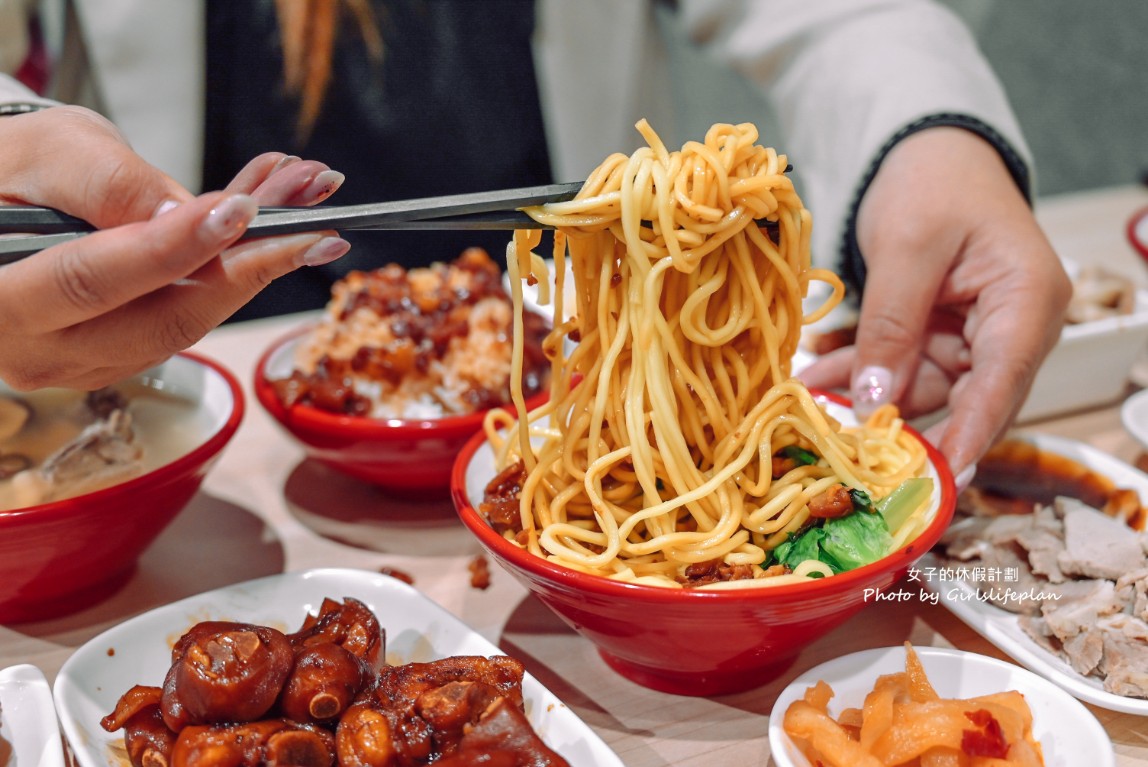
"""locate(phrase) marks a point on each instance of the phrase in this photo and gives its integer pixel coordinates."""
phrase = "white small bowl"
(28, 718)
(1068, 732)
(1134, 416)
(1091, 364)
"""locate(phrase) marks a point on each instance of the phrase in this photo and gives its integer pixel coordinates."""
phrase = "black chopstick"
(495, 210)
(480, 210)
(401, 213)
(28, 219)
(14, 248)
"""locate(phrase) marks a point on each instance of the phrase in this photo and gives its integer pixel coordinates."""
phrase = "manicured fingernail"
(230, 216)
(325, 251)
(872, 388)
(285, 161)
(965, 477)
(164, 207)
(324, 185)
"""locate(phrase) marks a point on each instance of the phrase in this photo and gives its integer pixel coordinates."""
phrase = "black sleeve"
(852, 263)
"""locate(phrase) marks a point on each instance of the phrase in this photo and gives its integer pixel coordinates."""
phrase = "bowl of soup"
(88, 480)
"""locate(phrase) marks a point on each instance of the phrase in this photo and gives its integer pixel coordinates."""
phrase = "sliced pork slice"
(1096, 545)
(1037, 628)
(1098, 596)
(1073, 619)
(1132, 590)
(1019, 595)
(1125, 665)
(1005, 530)
(964, 540)
(1043, 549)
(1048, 519)
(1131, 628)
(1085, 650)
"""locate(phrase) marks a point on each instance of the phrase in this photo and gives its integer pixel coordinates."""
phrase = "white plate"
(1002, 628)
(27, 718)
(138, 651)
(1068, 733)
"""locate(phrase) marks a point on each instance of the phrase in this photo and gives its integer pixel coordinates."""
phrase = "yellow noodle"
(655, 451)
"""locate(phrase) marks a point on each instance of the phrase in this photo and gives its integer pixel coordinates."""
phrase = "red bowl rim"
(185, 463)
(304, 416)
(542, 568)
(1140, 245)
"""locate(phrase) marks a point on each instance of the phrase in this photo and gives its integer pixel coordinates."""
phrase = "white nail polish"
(325, 184)
(230, 216)
(325, 251)
(285, 161)
(965, 478)
(164, 207)
(872, 388)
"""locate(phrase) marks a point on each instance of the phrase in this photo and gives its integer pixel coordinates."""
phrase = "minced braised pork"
(834, 502)
(424, 343)
(500, 499)
(500, 507)
(715, 571)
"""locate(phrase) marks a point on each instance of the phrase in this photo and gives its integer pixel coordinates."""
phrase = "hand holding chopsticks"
(100, 308)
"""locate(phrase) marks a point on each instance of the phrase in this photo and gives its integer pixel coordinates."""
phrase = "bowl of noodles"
(400, 371)
(680, 499)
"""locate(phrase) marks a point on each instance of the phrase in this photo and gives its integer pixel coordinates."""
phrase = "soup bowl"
(63, 555)
(411, 457)
(697, 641)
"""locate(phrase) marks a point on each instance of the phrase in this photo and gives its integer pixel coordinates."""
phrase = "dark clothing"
(453, 108)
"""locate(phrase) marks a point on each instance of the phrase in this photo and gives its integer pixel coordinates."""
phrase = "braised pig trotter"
(225, 672)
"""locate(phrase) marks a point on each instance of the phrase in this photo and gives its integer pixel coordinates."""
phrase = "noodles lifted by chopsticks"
(663, 446)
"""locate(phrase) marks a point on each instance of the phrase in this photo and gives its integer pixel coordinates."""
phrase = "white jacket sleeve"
(847, 79)
(12, 91)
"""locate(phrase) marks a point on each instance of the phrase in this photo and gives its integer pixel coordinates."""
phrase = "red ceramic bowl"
(411, 457)
(695, 642)
(62, 556)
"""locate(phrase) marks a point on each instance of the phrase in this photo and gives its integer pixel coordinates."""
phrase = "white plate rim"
(1002, 628)
(29, 718)
(887, 659)
(404, 605)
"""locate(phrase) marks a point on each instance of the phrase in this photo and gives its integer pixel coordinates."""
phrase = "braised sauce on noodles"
(675, 448)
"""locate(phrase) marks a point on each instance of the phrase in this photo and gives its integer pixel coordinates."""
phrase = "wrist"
(852, 264)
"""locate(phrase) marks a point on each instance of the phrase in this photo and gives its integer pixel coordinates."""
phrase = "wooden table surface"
(265, 510)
